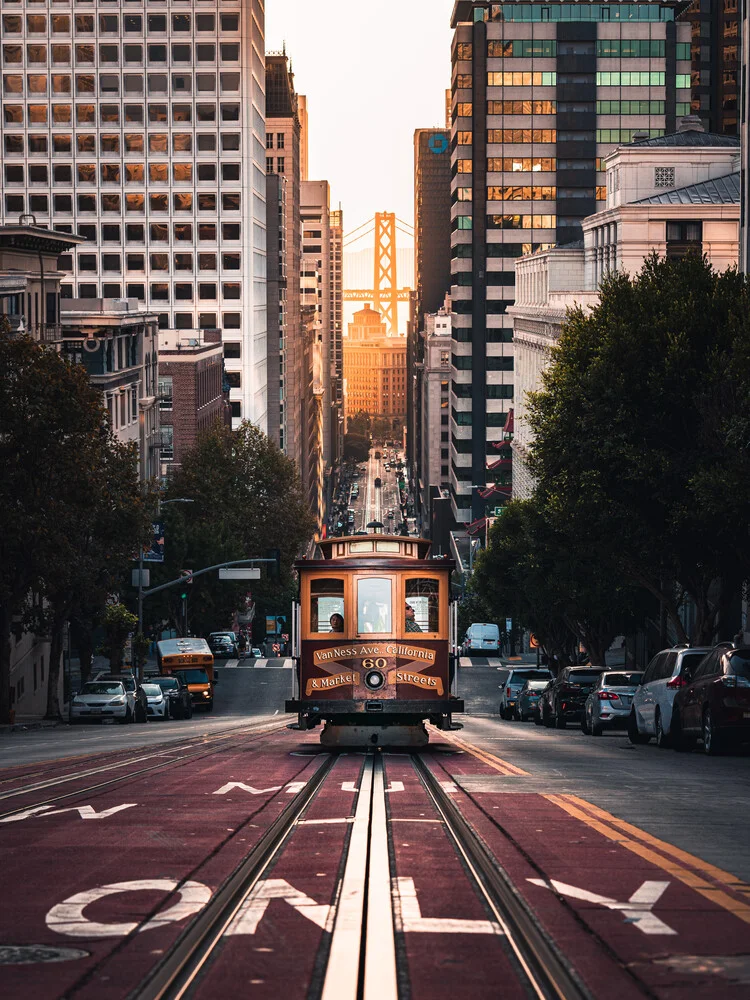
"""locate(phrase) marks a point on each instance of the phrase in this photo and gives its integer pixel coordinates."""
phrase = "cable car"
(375, 642)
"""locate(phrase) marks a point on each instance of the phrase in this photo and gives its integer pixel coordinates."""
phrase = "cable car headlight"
(374, 680)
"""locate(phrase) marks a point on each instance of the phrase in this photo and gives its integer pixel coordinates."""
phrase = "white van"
(481, 638)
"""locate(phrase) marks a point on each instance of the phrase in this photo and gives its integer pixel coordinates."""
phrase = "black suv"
(564, 702)
(179, 702)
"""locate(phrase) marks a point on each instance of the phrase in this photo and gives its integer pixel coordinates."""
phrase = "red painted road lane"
(662, 941)
(440, 959)
(178, 829)
(62, 777)
(278, 945)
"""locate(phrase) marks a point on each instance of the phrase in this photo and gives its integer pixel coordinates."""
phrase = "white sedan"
(158, 705)
(101, 700)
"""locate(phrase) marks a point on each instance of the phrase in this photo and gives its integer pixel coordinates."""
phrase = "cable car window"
(374, 605)
(327, 605)
(422, 597)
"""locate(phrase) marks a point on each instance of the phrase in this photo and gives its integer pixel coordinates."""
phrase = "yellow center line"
(496, 763)
(717, 874)
(691, 879)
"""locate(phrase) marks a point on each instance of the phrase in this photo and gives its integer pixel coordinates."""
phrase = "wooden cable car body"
(375, 642)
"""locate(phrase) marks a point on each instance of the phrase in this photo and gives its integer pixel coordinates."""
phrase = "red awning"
(501, 463)
(477, 526)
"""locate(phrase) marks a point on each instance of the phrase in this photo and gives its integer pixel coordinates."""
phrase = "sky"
(373, 71)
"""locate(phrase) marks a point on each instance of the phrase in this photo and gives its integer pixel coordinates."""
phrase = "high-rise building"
(433, 377)
(304, 127)
(541, 93)
(745, 138)
(319, 242)
(375, 371)
(283, 160)
(152, 149)
(714, 56)
(308, 404)
(276, 296)
(432, 266)
(337, 334)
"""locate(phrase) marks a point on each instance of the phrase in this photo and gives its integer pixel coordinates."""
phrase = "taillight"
(608, 696)
(677, 682)
(507, 692)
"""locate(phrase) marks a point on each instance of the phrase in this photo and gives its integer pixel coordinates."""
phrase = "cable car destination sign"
(398, 662)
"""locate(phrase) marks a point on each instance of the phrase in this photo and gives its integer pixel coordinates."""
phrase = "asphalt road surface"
(229, 856)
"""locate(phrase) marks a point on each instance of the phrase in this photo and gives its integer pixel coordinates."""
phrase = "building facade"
(541, 93)
(191, 391)
(283, 160)
(715, 61)
(276, 297)
(375, 371)
(433, 378)
(143, 131)
(308, 405)
(337, 335)
(745, 137)
(697, 212)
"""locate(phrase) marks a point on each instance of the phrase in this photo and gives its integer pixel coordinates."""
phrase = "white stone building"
(433, 373)
(672, 194)
(142, 129)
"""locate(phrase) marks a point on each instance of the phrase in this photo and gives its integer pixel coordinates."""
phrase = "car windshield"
(528, 676)
(102, 687)
(536, 685)
(152, 690)
(167, 683)
(623, 680)
(196, 676)
(583, 677)
(739, 664)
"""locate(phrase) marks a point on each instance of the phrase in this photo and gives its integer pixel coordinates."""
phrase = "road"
(229, 855)
(375, 503)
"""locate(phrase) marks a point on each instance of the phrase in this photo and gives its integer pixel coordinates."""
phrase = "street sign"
(240, 573)
(533, 642)
(508, 624)
(141, 577)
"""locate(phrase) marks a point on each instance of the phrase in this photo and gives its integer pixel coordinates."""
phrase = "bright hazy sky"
(373, 71)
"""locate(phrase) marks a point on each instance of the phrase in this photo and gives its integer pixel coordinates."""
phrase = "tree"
(356, 447)
(118, 624)
(248, 499)
(360, 424)
(55, 450)
(643, 434)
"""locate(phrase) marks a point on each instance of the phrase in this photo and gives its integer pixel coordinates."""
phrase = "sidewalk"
(25, 723)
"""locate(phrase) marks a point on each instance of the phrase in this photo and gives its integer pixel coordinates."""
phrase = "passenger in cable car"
(337, 623)
(411, 623)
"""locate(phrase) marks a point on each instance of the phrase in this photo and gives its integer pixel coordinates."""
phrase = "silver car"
(608, 706)
(158, 703)
(101, 700)
(666, 673)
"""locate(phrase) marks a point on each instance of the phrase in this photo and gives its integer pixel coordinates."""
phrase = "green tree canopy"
(642, 430)
(247, 500)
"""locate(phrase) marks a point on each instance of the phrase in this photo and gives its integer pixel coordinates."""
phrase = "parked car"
(543, 704)
(102, 699)
(136, 694)
(224, 644)
(175, 691)
(481, 637)
(512, 687)
(714, 705)
(528, 699)
(157, 705)
(608, 705)
(666, 673)
(567, 696)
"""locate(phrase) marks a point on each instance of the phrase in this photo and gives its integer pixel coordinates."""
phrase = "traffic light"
(274, 568)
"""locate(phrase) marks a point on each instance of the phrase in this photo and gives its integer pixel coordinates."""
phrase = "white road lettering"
(294, 787)
(396, 786)
(408, 915)
(348, 786)
(84, 812)
(231, 785)
(251, 911)
(637, 910)
(449, 786)
(68, 917)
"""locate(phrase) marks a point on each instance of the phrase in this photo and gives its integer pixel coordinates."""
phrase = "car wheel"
(537, 719)
(596, 730)
(584, 725)
(634, 735)
(560, 721)
(548, 720)
(662, 740)
(711, 739)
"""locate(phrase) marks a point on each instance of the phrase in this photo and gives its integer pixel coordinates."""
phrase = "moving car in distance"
(255, 653)
(527, 705)
(512, 688)
(608, 705)
(193, 660)
(665, 674)
(481, 637)
(102, 699)
(714, 706)
(175, 691)
(224, 644)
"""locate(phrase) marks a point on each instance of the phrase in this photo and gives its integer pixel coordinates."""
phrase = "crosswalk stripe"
(464, 661)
